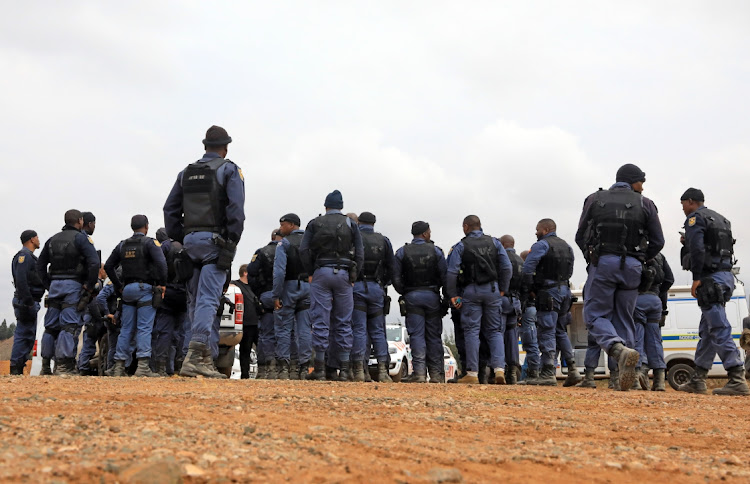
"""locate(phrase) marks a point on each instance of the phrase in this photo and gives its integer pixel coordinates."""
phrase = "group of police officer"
(322, 291)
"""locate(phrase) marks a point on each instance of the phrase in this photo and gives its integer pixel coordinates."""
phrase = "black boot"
(17, 369)
(178, 365)
(293, 366)
(283, 366)
(588, 381)
(66, 367)
(546, 377)
(262, 371)
(383, 376)
(736, 385)
(511, 377)
(437, 375)
(319, 373)
(46, 367)
(366, 367)
(144, 369)
(358, 371)
(697, 383)
(302, 370)
(658, 385)
(331, 373)
(532, 374)
(643, 378)
(574, 378)
(271, 370)
(345, 372)
(419, 376)
(160, 367)
(627, 359)
(119, 369)
(614, 380)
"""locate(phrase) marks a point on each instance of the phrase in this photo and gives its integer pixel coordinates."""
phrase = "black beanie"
(367, 218)
(334, 200)
(630, 173)
(418, 228)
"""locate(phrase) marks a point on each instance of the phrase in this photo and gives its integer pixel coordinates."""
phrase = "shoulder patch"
(21, 259)
(91, 241)
(691, 221)
(157, 243)
(255, 256)
(450, 250)
(242, 177)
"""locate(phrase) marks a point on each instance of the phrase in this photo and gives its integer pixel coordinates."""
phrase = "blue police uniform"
(138, 313)
(481, 310)
(107, 302)
(28, 293)
(611, 288)
(548, 315)
(224, 224)
(529, 343)
(368, 318)
(94, 329)
(511, 310)
(63, 321)
(331, 292)
(562, 341)
(423, 318)
(292, 321)
(714, 330)
(169, 322)
(260, 278)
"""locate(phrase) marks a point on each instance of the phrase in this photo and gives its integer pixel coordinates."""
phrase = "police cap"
(217, 136)
(367, 218)
(418, 228)
(693, 194)
(292, 218)
(27, 235)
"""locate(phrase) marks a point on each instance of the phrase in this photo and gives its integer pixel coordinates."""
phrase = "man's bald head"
(524, 254)
(508, 241)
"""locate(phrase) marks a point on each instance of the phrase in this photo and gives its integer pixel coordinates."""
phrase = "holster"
(386, 304)
(545, 301)
(445, 305)
(85, 299)
(156, 297)
(709, 293)
(227, 251)
(183, 266)
(402, 306)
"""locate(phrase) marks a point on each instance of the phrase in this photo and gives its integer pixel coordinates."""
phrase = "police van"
(679, 334)
(399, 352)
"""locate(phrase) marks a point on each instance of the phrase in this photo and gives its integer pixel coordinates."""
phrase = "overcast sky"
(414, 110)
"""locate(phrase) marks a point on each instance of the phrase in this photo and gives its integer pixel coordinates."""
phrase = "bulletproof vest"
(653, 273)
(135, 260)
(332, 239)
(419, 266)
(267, 255)
(204, 200)
(65, 260)
(375, 247)
(619, 223)
(174, 248)
(557, 263)
(517, 264)
(479, 261)
(717, 240)
(295, 271)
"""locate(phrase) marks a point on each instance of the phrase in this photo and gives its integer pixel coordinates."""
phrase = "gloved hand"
(226, 255)
(745, 340)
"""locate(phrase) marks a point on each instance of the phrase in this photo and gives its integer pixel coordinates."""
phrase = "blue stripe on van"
(682, 337)
(693, 299)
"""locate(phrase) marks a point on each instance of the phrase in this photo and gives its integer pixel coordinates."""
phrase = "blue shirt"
(308, 258)
(653, 225)
(155, 258)
(503, 266)
(85, 246)
(230, 177)
(103, 296)
(694, 240)
(28, 285)
(537, 252)
(279, 264)
(398, 280)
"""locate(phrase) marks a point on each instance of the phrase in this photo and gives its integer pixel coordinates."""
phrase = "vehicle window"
(687, 314)
(393, 334)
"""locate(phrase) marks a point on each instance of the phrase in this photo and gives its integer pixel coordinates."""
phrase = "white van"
(679, 334)
(399, 351)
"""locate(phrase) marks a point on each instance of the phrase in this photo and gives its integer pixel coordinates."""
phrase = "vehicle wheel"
(397, 378)
(404, 369)
(679, 374)
(227, 370)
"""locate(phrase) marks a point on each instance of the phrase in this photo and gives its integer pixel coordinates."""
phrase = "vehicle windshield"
(393, 334)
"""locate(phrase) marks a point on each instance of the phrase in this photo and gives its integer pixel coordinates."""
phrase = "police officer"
(326, 252)
(511, 311)
(260, 276)
(206, 212)
(28, 293)
(89, 223)
(291, 299)
(107, 300)
(249, 322)
(73, 269)
(547, 269)
(656, 280)
(618, 230)
(419, 272)
(710, 244)
(486, 273)
(370, 293)
(170, 315)
(95, 328)
(144, 277)
(528, 332)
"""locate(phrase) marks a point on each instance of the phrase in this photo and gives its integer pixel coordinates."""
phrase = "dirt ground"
(88, 429)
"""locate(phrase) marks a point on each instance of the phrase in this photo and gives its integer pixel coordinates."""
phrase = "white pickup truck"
(399, 351)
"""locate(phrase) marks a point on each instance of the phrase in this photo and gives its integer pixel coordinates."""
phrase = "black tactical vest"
(619, 223)
(65, 260)
(717, 240)
(479, 261)
(374, 247)
(557, 263)
(204, 200)
(517, 264)
(332, 239)
(295, 271)
(420, 266)
(174, 248)
(135, 260)
(267, 255)
(652, 276)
